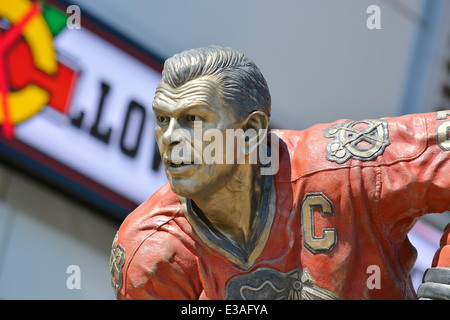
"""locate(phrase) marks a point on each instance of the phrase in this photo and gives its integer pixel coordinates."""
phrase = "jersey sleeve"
(413, 174)
(160, 269)
(155, 267)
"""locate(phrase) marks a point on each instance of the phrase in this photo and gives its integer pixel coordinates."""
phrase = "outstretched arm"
(414, 172)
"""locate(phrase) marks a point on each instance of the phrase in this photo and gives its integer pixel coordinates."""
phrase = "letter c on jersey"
(328, 239)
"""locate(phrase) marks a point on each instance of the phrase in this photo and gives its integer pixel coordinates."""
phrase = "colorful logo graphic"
(31, 77)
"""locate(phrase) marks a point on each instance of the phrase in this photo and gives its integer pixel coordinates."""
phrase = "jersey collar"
(243, 257)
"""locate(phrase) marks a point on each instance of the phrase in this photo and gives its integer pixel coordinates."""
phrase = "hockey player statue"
(255, 214)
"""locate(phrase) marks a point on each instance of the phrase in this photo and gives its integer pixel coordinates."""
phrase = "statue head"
(242, 86)
(204, 93)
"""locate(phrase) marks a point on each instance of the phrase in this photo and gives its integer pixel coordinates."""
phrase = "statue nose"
(173, 133)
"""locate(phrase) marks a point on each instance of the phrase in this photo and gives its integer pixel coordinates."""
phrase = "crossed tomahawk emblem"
(361, 140)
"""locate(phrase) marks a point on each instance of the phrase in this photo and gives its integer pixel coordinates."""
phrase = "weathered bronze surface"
(328, 221)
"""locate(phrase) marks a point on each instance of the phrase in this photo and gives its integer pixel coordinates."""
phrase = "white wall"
(42, 233)
(319, 58)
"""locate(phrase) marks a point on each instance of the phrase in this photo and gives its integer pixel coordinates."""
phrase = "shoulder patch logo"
(361, 140)
(116, 261)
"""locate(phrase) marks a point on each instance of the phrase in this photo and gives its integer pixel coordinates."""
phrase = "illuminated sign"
(78, 103)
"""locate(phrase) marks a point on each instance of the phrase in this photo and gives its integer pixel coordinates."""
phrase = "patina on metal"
(228, 195)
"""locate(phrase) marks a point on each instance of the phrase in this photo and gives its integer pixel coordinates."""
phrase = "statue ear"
(255, 127)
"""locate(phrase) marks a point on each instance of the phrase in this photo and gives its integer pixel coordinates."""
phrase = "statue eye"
(192, 118)
(162, 120)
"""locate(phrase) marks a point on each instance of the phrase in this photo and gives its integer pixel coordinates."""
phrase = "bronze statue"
(249, 213)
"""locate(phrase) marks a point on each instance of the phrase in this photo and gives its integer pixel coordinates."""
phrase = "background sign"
(76, 105)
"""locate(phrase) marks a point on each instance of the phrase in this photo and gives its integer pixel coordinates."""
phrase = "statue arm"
(413, 175)
(161, 268)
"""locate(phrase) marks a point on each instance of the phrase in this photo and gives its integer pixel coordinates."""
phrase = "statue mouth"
(178, 165)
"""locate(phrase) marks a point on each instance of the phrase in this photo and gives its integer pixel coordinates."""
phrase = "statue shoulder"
(302, 152)
(163, 206)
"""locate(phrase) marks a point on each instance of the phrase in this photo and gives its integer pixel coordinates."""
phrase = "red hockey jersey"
(334, 224)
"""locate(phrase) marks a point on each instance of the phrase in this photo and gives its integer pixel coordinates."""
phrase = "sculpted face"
(183, 114)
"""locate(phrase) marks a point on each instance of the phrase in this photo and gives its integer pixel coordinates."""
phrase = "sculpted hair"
(242, 85)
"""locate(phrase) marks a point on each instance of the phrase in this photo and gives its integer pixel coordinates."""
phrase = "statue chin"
(183, 188)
